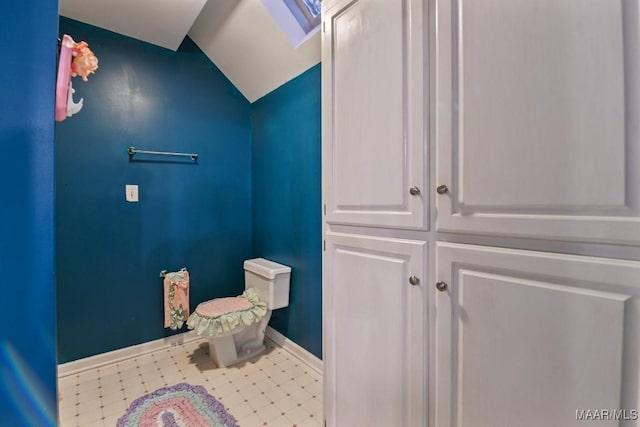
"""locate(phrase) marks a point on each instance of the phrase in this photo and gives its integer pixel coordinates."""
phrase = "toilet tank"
(270, 279)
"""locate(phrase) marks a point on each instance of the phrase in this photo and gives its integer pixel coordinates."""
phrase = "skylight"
(306, 12)
(313, 6)
(299, 20)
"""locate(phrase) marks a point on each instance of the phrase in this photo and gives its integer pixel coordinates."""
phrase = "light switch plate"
(131, 192)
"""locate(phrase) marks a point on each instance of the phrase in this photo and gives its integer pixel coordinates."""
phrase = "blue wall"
(286, 192)
(109, 252)
(27, 335)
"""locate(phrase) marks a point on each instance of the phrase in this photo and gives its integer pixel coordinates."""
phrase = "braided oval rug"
(180, 405)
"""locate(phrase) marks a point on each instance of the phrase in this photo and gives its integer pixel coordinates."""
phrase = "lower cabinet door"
(374, 301)
(531, 339)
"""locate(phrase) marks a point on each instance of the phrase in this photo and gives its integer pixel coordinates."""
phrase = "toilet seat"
(223, 315)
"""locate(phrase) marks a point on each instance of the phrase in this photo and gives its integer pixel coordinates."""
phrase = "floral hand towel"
(176, 299)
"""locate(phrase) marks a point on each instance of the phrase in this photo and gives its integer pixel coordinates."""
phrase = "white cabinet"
(534, 107)
(527, 338)
(374, 348)
(374, 176)
(536, 137)
(536, 124)
(373, 104)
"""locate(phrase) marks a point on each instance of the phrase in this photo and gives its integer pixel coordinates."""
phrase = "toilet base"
(236, 347)
(223, 352)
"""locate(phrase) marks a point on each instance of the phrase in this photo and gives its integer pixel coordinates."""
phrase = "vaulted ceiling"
(239, 36)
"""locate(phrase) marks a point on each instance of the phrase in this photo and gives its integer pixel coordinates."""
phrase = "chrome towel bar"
(134, 150)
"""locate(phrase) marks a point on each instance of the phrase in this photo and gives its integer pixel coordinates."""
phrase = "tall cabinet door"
(533, 339)
(374, 326)
(538, 106)
(373, 113)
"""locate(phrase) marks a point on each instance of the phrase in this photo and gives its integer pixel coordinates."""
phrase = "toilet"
(235, 326)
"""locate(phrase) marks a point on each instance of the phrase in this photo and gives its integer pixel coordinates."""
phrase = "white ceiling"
(239, 36)
(249, 47)
(160, 22)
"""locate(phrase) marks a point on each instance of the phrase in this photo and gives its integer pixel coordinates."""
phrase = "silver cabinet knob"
(442, 189)
(441, 286)
(414, 280)
(414, 191)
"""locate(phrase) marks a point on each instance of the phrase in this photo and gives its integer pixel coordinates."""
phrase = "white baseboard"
(286, 344)
(93, 362)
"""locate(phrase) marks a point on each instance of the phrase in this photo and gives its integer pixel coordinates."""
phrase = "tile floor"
(274, 389)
